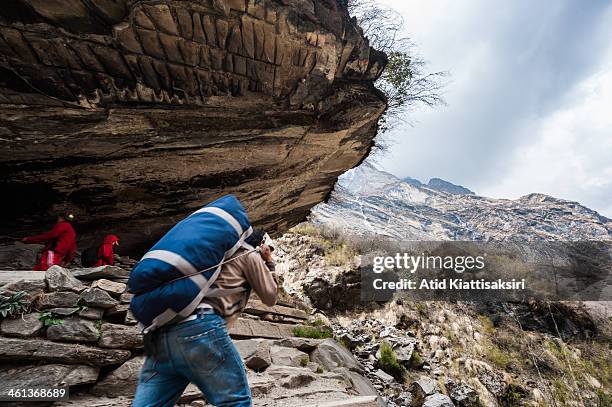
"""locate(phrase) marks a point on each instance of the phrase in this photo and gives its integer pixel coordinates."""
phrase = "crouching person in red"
(60, 244)
(106, 253)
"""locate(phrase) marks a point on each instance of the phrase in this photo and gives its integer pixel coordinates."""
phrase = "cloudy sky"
(529, 99)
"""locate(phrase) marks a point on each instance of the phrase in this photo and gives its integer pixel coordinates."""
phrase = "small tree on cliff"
(405, 81)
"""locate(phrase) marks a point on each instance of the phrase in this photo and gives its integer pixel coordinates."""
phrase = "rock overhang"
(134, 113)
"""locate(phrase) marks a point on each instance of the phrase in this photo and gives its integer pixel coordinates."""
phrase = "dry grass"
(339, 255)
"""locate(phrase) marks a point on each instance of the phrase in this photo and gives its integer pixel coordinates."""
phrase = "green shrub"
(311, 332)
(389, 363)
(345, 342)
(317, 322)
(605, 400)
(513, 395)
(48, 318)
(13, 305)
(499, 357)
(339, 255)
(319, 370)
(416, 360)
(304, 361)
(487, 324)
(307, 229)
(421, 308)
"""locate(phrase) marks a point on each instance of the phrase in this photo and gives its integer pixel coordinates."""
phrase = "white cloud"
(529, 105)
(569, 154)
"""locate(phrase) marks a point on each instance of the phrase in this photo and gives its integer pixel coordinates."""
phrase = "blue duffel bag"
(174, 276)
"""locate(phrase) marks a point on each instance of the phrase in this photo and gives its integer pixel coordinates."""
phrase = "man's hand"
(266, 253)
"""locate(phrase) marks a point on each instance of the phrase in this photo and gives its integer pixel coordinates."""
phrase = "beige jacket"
(249, 271)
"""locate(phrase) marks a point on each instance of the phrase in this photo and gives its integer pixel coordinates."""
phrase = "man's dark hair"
(256, 237)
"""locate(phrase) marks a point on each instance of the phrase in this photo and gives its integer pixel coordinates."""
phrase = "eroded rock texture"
(133, 113)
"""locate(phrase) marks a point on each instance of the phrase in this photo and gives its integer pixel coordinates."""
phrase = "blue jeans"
(200, 352)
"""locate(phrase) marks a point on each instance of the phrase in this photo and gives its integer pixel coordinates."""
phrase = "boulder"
(126, 298)
(422, 388)
(52, 375)
(331, 355)
(64, 311)
(360, 384)
(14, 276)
(22, 326)
(260, 385)
(74, 329)
(304, 344)
(462, 394)
(404, 353)
(251, 328)
(120, 336)
(298, 380)
(19, 256)
(121, 381)
(114, 288)
(383, 376)
(81, 374)
(60, 279)
(494, 382)
(285, 356)
(33, 287)
(130, 319)
(84, 399)
(95, 297)
(57, 300)
(291, 377)
(255, 353)
(256, 307)
(108, 272)
(438, 400)
(118, 310)
(92, 313)
(84, 312)
(359, 401)
(404, 398)
(12, 349)
(352, 341)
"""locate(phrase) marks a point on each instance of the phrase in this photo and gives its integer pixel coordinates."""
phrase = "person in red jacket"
(60, 244)
(106, 253)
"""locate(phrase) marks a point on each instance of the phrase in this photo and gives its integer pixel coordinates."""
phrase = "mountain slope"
(367, 201)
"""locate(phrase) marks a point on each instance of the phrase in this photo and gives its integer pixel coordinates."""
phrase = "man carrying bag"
(197, 348)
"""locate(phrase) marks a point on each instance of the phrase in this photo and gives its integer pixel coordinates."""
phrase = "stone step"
(11, 276)
(12, 349)
(109, 272)
(362, 401)
(256, 307)
(254, 328)
(94, 401)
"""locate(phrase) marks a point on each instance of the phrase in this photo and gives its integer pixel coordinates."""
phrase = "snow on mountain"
(367, 201)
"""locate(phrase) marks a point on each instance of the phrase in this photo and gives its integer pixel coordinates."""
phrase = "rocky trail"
(79, 333)
(452, 353)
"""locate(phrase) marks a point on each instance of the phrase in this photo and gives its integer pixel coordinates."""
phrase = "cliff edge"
(134, 113)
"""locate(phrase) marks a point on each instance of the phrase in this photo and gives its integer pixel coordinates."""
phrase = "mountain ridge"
(367, 200)
(440, 184)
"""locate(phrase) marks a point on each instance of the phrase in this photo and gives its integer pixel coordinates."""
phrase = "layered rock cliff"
(134, 113)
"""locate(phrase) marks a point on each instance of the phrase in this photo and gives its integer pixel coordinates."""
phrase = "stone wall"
(79, 333)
